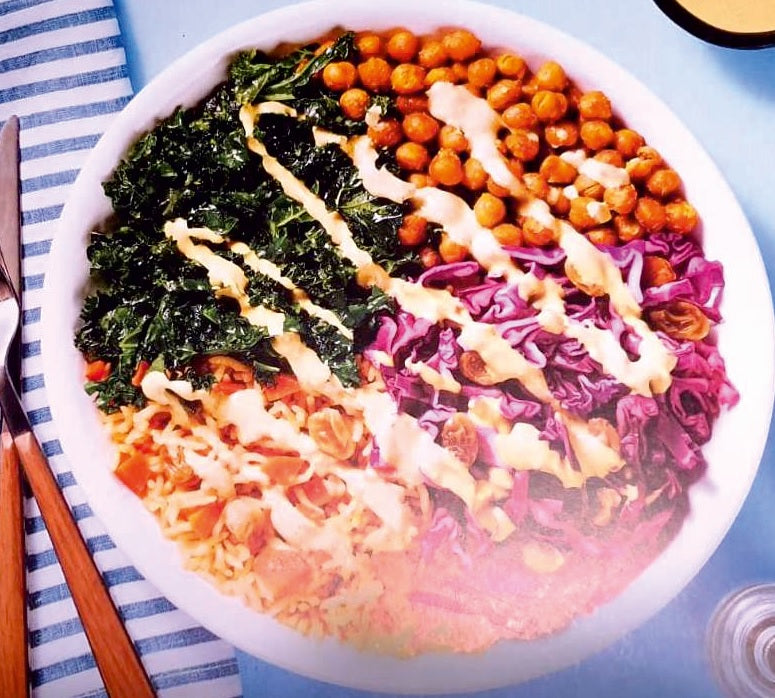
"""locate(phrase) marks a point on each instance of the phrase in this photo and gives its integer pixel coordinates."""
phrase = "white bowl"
(745, 341)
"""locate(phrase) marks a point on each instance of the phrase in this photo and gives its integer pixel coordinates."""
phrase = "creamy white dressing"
(437, 380)
(608, 175)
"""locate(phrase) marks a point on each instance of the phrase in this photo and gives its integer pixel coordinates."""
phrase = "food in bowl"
(405, 342)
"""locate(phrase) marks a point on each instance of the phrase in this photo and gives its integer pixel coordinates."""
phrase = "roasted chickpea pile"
(544, 114)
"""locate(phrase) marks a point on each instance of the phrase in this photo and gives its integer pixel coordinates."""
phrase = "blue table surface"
(727, 99)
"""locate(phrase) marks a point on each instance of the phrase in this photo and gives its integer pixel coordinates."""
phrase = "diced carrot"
(227, 387)
(97, 370)
(204, 518)
(134, 472)
(139, 374)
(282, 571)
(283, 386)
(283, 469)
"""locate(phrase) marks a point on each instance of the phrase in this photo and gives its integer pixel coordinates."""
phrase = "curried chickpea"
(664, 183)
(474, 175)
(520, 115)
(374, 74)
(681, 217)
(596, 134)
(402, 46)
(586, 186)
(559, 202)
(610, 157)
(656, 271)
(386, 133)
(481, 72)
(339, 76)
(503, 94)
(489, 210)
(627, 228)
(432, 54)
(408, 104)
(549, 106)
(450, 251)
(627, 142)
(650, 214)
(354, 103)
(587, 213)
(420, 127)
(461, 72)
(508, 234)
(429, 257)
(413, 230)
(594, 105)
(446, 168)
(407, 78)
(412, 156)
(551, 76)
(646, 160)
(563, 134)
(445, 74)
(452, 138)
(496, 189)
(557, 171)
(535, 233)
(621, 199)
(369, 45)
(602, 236)
(523, 144)
(536, 184)
(510, 65)
(461, 45)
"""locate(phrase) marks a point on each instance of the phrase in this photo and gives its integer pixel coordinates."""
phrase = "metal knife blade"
(10, 227)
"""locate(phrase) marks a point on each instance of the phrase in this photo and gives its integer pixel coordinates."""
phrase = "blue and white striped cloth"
(63, 71)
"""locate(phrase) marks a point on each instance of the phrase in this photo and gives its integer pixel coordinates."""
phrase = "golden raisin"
(332, 432)
(459, 436)
(472, 367)
(681, 320)
(657, 271)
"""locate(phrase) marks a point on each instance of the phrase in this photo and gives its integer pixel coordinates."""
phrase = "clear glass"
(741, 643)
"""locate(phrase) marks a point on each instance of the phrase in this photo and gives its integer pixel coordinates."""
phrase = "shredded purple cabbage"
(660, 437)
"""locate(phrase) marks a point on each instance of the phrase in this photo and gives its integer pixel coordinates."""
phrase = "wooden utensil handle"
(118, 663)
(14, 667)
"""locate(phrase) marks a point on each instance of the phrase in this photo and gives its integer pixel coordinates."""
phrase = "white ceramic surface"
(745, 340)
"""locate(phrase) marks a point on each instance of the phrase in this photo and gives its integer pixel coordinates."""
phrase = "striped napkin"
(63, 71)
